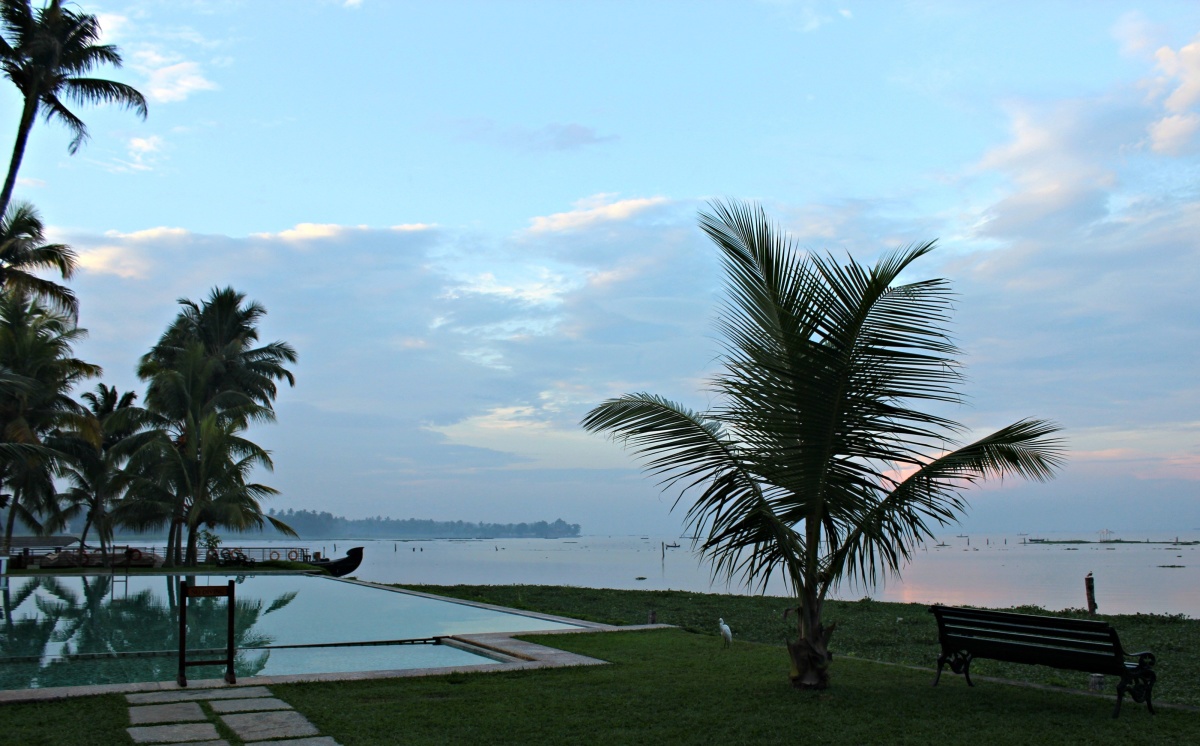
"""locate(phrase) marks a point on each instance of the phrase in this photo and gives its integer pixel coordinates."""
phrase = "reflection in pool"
(69, 631)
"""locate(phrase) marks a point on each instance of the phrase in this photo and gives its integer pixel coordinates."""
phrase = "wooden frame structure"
(187, 591)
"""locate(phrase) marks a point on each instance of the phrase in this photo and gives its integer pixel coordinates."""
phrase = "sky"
(477, 220)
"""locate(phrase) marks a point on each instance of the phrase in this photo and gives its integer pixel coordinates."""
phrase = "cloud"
(1173, 133)
(1136, 34)
(142, 152)
(1183, 67)
(592, 211)
(175, 82)
(1061, 162)
(550, 138)
(115, 260)
(112, 26)
(536, 443)
(543, 287)
(310, 232)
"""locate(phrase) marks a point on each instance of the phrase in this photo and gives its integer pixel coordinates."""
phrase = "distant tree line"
(310, 524)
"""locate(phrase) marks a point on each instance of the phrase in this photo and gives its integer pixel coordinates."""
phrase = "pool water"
(71, 631)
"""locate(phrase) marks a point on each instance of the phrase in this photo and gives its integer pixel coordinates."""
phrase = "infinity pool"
(72, 631)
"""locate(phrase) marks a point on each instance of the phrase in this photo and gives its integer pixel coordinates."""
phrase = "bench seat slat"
(1032, 637)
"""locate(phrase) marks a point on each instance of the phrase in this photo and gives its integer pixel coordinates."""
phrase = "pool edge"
(521, 655)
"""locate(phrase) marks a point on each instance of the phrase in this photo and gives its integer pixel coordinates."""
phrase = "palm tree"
(93, 472)
(46, 53)
(818, 463)
(35, 348)
(196, 482)
(208, 380)
(23, 249)
(227, 329)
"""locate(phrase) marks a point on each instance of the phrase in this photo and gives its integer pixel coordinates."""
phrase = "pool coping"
(509, 654)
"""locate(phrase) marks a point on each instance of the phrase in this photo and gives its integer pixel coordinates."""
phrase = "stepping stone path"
(183, 717)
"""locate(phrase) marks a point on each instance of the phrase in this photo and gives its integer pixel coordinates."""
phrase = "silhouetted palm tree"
(35, 345)
(818, 464)
(47, 53)
(23, 250)
(208, 379)
(93, 470)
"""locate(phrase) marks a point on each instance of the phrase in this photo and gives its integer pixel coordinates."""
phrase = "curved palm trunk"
(28, 114)
(87, 525)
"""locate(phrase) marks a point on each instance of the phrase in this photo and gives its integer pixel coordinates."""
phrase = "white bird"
(726, 633)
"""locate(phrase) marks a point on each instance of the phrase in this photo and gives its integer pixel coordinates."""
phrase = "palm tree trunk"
(12, 517)
(28, 114)
(810, 652)
(172, 534)
(87, 524)
(191, 546)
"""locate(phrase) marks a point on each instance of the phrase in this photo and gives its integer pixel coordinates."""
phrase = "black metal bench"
(1073, 644)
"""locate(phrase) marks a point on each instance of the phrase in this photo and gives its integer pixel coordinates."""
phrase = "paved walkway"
(189, 716)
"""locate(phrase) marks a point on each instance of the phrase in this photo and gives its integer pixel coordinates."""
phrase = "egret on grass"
(726, 633)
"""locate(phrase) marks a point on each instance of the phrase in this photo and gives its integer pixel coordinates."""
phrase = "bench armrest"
(1145, 658)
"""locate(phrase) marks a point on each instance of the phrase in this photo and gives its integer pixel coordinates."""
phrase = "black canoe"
(344, 566)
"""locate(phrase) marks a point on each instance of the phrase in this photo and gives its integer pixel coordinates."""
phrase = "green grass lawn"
(874, 630)
(673, 687)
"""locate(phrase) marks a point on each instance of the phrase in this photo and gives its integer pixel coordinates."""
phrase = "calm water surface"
(996, 571)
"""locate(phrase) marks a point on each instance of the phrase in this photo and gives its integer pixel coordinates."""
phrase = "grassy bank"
(874, 630)
(672, 687)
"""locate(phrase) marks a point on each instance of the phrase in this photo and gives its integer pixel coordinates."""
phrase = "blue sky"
(475, 221)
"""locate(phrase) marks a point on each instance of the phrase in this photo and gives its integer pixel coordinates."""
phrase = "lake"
(979, 570)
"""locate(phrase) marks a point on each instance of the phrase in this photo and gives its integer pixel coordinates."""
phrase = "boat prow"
(341, 567)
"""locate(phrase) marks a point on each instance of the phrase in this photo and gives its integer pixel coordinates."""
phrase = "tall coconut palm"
(93, 472)
(47, 54)
(819, 462)
(23, 250)
(36, 347)
(208, 378)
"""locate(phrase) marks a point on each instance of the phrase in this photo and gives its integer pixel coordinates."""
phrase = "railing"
(128, 555)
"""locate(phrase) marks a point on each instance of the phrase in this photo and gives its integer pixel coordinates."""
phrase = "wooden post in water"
(1089, 585)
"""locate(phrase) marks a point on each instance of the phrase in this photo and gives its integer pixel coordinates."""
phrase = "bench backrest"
(1075, 644)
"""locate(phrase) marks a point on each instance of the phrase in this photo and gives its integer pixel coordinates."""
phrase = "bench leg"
(960, 662)
(1140, 685)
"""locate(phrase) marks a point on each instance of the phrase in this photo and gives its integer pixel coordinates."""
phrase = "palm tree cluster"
(820, 462)
(180, 463)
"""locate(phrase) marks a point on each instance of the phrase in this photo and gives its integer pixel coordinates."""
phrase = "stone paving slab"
(264, 725)
(318, 741)
(174, 733)
(189, 695)
(176, 712)
(249, 705)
